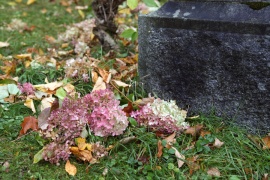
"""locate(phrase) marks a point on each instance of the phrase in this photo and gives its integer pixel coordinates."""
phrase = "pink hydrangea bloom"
(107, 118)
(26, 88)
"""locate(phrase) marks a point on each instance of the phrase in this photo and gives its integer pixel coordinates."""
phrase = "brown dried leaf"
(170, 140)
(179, 157)
(192, 164)
(160, 148)
(266, 141)
(203, 133)
(128, 109)
(265, 176)
(70, 168)
(29, 122)
(120, 83)
(213, 172)
(195, 130)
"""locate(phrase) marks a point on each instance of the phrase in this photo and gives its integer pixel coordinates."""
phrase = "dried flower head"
(162, 116)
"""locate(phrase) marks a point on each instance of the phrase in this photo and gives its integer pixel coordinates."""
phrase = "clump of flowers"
(161, 115)
(107, 118)
(26, 88)
(64, 124)
(99, 109)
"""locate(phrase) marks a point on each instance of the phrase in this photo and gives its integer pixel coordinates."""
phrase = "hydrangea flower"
(64, 124)
(162, 116)
(106, 118)
(26, 88)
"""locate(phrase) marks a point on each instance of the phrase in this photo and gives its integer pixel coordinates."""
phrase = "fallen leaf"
(160, 148)
(179, 157)
(94, 76)
(203, 133)
(49, 86)
(43, 118)
(29, 103)
(24, 56)
(29, 2)
(213, 172)
(10, 99)
(46, 102)
(84, 155)
(144, 101)
(265, 176)
(70, 168)
(192, 164)
(4, 44)
(121, 84)
(81, 13)
(100, 84)
(29, 122)
(6, 166)
(195, 130)
(38, 156)
(50, 39)
(218, 143)
(170, 140)
(105, 75)
(128, 109)
(266, 141)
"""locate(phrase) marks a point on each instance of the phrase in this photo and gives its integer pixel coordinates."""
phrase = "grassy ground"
(241, 156)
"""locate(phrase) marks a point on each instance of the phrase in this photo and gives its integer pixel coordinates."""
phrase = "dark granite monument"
(209, 56)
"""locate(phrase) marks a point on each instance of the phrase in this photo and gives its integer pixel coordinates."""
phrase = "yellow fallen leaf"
(29, 103)
(94, 76)
(180, 157)
(70, 168)
(24, 56)
(29, 2)
(49, 86)
(69, 88)
(81, 13)
(100, 84)
(18, 1)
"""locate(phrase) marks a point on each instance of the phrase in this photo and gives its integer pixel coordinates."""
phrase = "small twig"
(22, 136)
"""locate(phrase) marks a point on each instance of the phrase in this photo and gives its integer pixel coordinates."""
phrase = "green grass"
(239, 157)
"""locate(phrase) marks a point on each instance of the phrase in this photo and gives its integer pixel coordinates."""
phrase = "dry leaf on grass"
(170, 140)
(218, 143)
(180, 157)
(195, 130)
(29, 122)
(160, 148)
(213, 172)
(266, 141)
(70, 168)
(4, 44)
(100, 84)
(29, 103)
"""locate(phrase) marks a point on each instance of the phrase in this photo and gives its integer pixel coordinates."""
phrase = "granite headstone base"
(209, 57)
